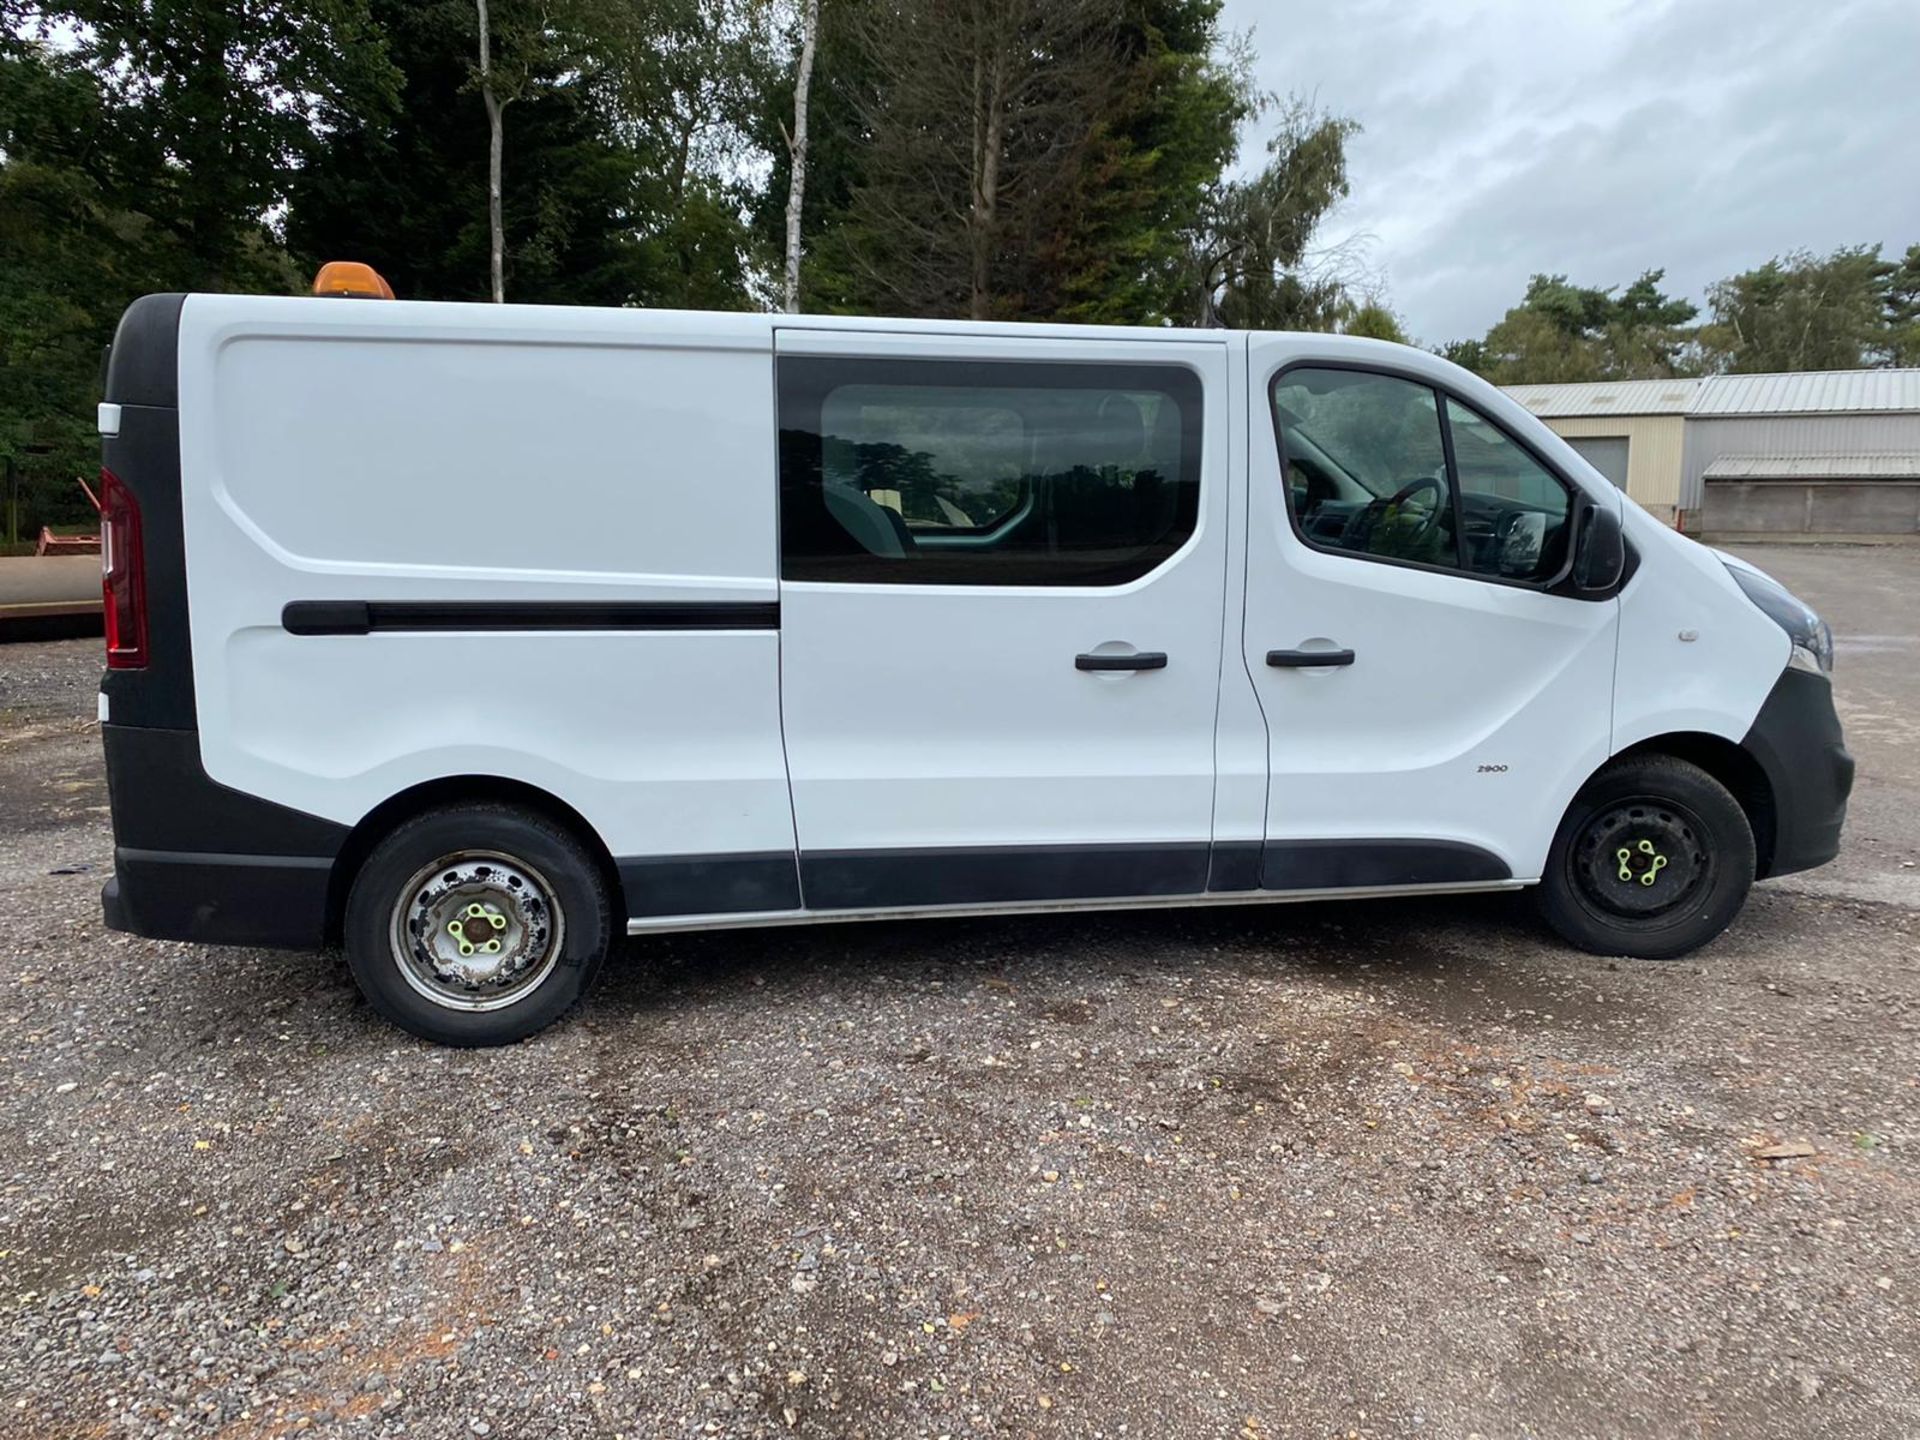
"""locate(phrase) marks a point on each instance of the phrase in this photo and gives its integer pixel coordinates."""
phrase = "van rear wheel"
(1653, 859)
(477, 925)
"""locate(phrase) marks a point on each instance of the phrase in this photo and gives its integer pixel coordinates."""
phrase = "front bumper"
(1797, 741)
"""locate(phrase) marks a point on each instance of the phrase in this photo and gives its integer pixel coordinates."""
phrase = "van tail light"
(123, 572)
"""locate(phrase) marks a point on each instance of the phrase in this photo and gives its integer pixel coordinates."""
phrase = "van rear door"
(1433, 696)
(1001, 614)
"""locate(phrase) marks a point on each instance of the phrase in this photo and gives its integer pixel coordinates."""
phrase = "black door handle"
(1139, 660)
(1301, 659)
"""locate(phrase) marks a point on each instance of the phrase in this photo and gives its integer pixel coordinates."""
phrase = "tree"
(1903, 309)
(681, 84)
(1532, 346)
(1803, 312)
(570, 194)
(1148, 100)
(496, 251)
(1647, 333)
(1467, 354)
(70, 258)
(843, 88)
(1561, 332)
(797, 156)
(1008, 158)
(1122, 251)
(1253, 262)
(1374, 321)
(213, 101)
(982, 116)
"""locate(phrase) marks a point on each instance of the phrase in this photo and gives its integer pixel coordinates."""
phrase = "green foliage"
(235, 144)
(212, 102)
(1121, 120)
(984, 124)
(1807, 312)
(1467, 354)
(1374, 321)
(567, 187)
(1903, 309)
(1843, 311)
(71, 258)
(1174, 127)
(1561, 332)
(1252, 265)
(680, 83)
(142, 154)
(845, 88)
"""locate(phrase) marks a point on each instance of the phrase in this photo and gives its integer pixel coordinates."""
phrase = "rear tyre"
(477, 925)
(1653, 860)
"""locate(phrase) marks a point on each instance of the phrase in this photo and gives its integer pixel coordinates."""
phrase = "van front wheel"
(1653, 860)
(477, 925)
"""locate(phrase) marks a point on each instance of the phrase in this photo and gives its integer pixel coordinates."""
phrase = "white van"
(471, 637)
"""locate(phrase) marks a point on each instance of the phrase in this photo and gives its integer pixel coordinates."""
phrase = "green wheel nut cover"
(1625, 857)
(477, 911)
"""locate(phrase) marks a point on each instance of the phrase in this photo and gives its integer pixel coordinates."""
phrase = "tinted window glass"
(1366, 465)
(973, 473)
(940, 457)
(1515, 510)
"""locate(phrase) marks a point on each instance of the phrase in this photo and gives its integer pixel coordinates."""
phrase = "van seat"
(877, 530)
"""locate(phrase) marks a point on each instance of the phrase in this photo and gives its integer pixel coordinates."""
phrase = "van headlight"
(1811, 636)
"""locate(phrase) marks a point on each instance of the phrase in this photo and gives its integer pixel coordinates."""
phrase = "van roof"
(586, 321)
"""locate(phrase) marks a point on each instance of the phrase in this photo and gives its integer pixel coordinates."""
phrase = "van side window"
(1367, 467)
(934, 472)
(1386, 467)
(1516, 509)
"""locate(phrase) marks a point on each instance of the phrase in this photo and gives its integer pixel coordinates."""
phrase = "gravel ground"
(1367, 1170)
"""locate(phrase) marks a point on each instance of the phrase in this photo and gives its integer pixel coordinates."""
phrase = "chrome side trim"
(669, 924)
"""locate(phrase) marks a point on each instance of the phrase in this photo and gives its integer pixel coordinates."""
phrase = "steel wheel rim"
(1640, 860)
(477, 930)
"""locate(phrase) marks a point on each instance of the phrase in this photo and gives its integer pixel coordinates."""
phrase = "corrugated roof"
(1889, 466)
(1813, 392)
(1607, 397)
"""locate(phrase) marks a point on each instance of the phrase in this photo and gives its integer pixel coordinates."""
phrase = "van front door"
(1001, 614)
(1433, 696)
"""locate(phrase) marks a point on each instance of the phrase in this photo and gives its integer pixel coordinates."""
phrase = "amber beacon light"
(351, 279)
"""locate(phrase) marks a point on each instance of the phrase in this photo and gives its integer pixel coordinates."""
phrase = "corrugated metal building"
(1824, 452)
(1827, 453)
(1631, 431)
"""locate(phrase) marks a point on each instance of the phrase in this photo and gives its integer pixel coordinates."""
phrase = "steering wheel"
(1360, 532)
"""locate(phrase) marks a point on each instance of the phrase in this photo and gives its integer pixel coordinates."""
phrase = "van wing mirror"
(1600, 551)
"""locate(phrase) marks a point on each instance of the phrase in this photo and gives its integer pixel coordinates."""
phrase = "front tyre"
(477, 925)
(1653, 860)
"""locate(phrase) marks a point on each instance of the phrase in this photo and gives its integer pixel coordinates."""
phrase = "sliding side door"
(1001, 611)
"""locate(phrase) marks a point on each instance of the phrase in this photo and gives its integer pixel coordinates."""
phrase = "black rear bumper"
(1797, 741)
(275, 901)
(195, 860)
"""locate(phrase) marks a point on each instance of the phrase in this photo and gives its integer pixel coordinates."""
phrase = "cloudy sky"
(1601, 138)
